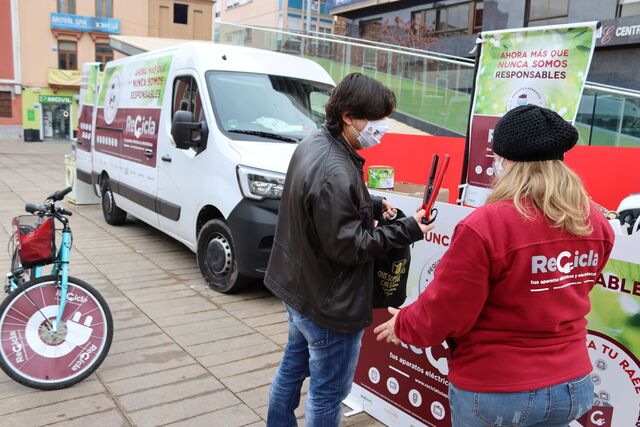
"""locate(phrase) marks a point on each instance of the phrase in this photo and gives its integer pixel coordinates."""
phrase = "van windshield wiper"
(266, 135)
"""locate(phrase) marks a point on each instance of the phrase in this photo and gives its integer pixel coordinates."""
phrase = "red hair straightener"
(432, 189)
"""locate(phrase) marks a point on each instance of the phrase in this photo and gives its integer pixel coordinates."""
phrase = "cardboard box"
(415, 190)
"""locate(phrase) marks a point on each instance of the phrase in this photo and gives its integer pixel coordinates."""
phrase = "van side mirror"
(186, 133)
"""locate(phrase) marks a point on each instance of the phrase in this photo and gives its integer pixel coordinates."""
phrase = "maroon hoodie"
(512, 294)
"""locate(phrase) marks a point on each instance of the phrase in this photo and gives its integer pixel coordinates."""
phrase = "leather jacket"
(321, 262)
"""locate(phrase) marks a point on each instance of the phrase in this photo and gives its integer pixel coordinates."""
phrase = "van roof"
(201, 55)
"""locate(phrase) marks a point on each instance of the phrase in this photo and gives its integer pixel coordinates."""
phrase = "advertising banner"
(545, 66)
(88, 96)
(408, 386)
(614, 338)
(405, 385)
(129, 106)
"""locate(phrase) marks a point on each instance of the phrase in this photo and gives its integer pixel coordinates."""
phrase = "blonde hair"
(552, 187)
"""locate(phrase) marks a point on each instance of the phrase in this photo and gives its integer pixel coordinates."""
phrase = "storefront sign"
(620, 31)
(545, 66)
(54, 99)
(66, 21)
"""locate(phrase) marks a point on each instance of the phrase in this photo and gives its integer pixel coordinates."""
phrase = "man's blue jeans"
(549, 407)
(328, 357)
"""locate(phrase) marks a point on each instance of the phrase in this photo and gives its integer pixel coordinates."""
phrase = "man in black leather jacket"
(321, 263)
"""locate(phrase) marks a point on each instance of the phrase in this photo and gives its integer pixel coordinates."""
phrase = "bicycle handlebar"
(59, 195)
(65, 212)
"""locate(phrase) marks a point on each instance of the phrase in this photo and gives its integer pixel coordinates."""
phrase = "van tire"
(217, 258)
(112, 213)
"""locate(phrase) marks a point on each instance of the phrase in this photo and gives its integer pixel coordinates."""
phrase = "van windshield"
(260, 104)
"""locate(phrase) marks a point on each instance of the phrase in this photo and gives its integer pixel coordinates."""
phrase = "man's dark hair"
(361, 97)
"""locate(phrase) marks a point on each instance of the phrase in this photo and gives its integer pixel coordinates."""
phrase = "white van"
(195, 140)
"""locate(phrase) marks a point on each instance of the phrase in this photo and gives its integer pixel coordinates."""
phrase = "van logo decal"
(140, 125)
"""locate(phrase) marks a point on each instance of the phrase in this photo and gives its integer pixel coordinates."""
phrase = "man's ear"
(347, 119)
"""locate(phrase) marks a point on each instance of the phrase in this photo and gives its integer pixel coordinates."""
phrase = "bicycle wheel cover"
(32, 355)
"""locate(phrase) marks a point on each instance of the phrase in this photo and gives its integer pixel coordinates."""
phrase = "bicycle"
(55, 329)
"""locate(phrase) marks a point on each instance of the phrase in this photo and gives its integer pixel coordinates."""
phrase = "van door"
(181, 172)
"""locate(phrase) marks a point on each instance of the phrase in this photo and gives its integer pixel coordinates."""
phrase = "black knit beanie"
(530, 133)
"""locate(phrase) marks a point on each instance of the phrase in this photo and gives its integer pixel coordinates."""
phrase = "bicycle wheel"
(35, 356)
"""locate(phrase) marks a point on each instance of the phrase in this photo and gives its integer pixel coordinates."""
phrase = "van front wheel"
(217, 258)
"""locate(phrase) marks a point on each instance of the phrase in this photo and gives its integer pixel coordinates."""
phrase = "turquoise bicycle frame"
(60, 268)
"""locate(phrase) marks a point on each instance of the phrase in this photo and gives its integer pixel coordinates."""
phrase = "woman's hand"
(385, 331)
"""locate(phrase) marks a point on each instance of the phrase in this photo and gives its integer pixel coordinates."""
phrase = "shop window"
(370, 30)
(547, 12)
(453, 18)
(104, 53)
(445, 19)
(629, 8)
(67, 6)
(67, 55)
(104, 8)
(478, 14)
(5, 104)
(180, 13)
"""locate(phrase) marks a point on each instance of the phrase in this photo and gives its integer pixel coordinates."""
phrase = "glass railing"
(433, 90)
(609, 116)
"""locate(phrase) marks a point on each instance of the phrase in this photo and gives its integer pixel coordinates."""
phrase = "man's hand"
(388, 211)
(425, 228)
(385, 331)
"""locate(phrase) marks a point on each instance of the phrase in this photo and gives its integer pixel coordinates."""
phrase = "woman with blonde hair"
(511, 294)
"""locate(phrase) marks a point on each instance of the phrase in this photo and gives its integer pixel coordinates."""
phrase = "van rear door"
(87, 120)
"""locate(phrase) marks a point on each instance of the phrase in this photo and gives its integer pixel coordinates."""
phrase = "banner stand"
(356, 406)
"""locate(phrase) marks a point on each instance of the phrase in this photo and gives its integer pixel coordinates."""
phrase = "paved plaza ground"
(182, 354)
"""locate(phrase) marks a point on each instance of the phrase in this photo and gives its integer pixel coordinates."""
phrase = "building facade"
(288, 15)
(57, 36)
(450, 26)
(10, 88)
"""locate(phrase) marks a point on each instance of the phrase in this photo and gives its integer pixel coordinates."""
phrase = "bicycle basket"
(36, 240)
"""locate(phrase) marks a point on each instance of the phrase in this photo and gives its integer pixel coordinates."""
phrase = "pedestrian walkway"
(182, 354)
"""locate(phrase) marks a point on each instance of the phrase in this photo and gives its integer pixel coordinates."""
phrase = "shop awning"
(63, 78)
(133, 45)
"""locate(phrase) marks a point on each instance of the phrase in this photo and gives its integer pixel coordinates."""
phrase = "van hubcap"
(219, 255)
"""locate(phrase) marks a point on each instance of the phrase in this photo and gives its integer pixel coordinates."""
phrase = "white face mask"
(498, 167)
(372, 133)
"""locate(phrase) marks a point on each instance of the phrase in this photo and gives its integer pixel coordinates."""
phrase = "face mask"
(498, 168)
(372, 133)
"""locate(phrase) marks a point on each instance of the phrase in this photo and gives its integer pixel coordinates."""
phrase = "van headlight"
(260, 184)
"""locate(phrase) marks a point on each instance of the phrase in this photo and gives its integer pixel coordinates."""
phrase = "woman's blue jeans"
(550, 407)
(329, 358)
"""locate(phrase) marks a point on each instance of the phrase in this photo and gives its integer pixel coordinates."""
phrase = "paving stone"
(156, 379)
(238, 354)
(169, 393)
(183, 409)
(60, 411)
(35, 399)
(239, 415)
(249, 380)
(246, 365)
(111, 418)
